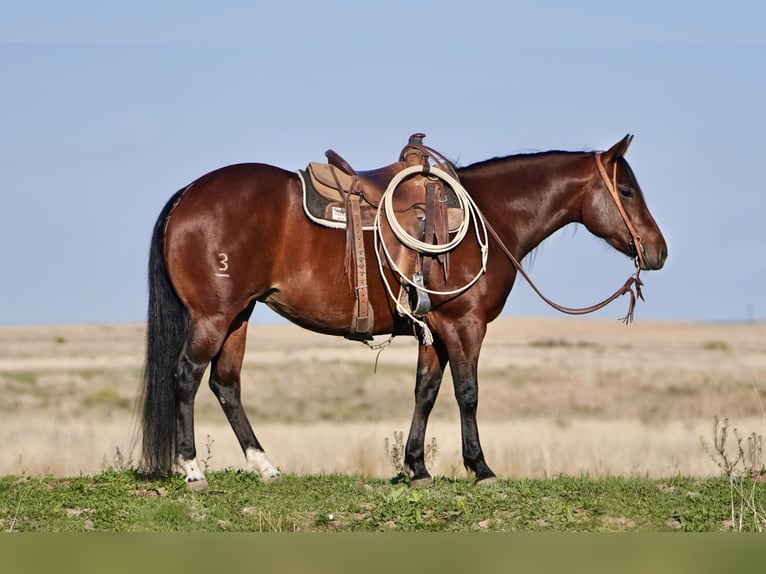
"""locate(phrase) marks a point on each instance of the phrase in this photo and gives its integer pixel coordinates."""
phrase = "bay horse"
(238, 235)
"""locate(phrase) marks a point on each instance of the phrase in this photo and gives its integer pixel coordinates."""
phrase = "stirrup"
(419, 301)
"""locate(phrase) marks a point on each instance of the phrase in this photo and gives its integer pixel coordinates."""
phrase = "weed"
(744, 468)
(209, 452)
(432, 451)
(120, 463)
(267, 523)
(395, 452)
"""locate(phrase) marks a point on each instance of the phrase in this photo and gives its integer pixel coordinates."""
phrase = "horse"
(238, 236)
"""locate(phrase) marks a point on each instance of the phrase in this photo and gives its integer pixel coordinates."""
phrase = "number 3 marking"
(223, 265)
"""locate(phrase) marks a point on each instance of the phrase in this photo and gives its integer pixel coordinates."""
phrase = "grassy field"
(236, 502)
(611, 412)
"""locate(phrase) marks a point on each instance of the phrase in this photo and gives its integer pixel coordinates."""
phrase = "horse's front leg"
(463, 345)
(431, 363)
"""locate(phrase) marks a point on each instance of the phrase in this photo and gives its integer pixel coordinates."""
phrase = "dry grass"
(557, 395)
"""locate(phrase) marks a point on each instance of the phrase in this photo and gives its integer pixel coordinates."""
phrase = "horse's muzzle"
(654, 259)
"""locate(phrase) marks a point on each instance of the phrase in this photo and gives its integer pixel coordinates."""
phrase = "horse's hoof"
(199, 484)
(425, 481)
(488, 481)
(271, 477)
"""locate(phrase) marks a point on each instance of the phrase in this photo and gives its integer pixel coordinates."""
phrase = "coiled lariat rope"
(470, 213)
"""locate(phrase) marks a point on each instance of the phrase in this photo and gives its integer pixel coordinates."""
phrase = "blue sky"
(105, 111)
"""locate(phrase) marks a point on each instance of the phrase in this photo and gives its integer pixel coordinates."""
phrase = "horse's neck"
(527, 198)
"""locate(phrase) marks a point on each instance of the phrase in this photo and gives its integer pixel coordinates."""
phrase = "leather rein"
(632, 285)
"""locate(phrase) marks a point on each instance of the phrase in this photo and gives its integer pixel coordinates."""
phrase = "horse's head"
(614, 209)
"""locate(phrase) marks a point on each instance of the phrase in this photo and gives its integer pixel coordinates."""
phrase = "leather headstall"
(611, 185)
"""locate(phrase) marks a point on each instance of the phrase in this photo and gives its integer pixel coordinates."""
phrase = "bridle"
(611, 186)
(628, 287)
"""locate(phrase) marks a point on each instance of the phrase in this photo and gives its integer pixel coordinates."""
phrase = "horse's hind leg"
(204, 339)
(431, 363)
(225, 384)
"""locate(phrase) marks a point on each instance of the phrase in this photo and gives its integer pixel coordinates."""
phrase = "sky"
(106, 110)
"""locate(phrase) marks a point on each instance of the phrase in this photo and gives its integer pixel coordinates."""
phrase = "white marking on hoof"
(192, 474)
(257, 462)
(427, 481)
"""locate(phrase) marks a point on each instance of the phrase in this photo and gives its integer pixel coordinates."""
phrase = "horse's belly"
(329, 315)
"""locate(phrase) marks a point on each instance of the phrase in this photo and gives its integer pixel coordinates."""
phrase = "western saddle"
(423, 206)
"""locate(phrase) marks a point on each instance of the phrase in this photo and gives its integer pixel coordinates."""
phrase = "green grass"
(716, 346)
(22, 377)
(240, 502)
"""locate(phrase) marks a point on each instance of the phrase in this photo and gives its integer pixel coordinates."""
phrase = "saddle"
(333, 183)
(335, 195)
(327, 186)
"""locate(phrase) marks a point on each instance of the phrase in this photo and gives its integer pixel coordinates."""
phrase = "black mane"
(488, 163)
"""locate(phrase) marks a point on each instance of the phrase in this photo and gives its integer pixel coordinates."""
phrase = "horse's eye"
(626, 192)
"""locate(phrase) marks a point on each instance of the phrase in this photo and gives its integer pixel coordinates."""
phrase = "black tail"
(166, 330)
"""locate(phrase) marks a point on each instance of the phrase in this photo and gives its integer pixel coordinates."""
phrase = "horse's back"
(234, 195)
(243, 182)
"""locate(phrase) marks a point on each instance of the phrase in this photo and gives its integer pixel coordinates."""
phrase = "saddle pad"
(329, 212)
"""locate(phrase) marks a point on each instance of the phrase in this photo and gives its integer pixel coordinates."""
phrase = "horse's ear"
(619, 149)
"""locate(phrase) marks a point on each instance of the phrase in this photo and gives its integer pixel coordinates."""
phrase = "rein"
(628, 287)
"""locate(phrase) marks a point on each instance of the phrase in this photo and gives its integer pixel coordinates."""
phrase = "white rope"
(402, 234)
(470, 212)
